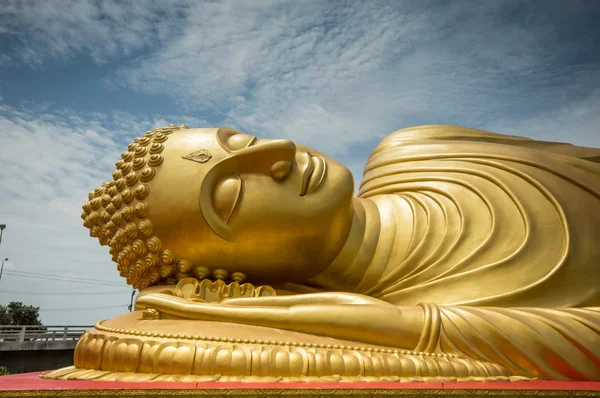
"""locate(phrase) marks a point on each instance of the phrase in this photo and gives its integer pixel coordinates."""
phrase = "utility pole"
(2, 226)
(2, 268)
(130, 306)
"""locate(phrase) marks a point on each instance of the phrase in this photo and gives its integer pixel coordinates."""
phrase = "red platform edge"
(33, 381)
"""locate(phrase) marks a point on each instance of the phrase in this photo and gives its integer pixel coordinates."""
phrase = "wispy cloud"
(333, 73)
(336, 73)
(104, 30)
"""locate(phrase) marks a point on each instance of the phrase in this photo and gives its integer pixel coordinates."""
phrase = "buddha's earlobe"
(207, 207)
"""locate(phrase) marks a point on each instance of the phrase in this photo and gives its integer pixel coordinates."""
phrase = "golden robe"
(485, 219)
(482, 220)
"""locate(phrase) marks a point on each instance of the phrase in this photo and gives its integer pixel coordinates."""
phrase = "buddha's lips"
(313, 174)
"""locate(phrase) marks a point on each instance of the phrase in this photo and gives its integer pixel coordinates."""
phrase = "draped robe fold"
(501, 234)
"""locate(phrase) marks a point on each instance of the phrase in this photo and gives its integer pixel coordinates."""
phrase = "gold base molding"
(131, 348)
(73, 373)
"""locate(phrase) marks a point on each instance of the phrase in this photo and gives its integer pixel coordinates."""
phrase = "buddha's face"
(221, 199)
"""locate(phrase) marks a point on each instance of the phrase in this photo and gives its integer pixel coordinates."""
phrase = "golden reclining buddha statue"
(466, 255)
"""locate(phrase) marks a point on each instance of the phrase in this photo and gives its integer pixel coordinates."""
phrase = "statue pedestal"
(31, 385)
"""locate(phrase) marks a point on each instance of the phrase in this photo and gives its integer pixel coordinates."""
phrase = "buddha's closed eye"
(228, 194)
(227, 197)
(237, 141)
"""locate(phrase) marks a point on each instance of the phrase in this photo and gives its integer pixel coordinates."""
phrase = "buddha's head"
(189, 202)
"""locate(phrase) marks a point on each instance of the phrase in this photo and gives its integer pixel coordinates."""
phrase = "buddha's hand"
(338, 315)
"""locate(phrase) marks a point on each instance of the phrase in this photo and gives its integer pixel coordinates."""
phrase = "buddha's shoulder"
(480, 140)
(448, 132)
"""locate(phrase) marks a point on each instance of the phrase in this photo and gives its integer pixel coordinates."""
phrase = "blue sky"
(80, 79)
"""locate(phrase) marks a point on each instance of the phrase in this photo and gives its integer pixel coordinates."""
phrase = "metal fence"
(41, 333)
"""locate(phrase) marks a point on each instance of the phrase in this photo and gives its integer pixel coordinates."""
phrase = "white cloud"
(336, 74)
(332, 73)
(103, 30)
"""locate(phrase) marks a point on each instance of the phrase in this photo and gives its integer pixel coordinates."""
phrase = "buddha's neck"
(359, 264)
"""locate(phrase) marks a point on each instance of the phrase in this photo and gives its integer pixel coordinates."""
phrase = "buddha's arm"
(533, 342)
(306, 299)
(337, 315)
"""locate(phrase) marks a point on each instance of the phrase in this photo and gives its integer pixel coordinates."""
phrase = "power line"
(59, 276)
(63, 279)
(36, 276)
(44, 254)
(69, 293)
(82, 308)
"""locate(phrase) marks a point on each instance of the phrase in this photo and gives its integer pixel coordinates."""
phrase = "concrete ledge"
(37, 345)
(35, 360)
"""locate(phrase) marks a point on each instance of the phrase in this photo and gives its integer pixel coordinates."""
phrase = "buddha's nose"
(273, 156)
(280, 169)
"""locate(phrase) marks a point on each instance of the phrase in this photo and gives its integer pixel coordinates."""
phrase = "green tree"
(17, 313)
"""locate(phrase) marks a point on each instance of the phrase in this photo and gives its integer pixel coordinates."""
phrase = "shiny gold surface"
(466, 254)
(145, 353)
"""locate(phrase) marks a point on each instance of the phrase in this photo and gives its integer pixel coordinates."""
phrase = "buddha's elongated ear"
(205, 201)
